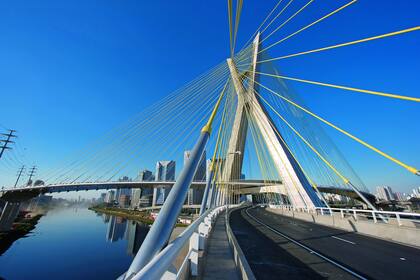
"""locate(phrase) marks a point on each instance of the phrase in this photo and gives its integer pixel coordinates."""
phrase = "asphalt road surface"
(279, 247)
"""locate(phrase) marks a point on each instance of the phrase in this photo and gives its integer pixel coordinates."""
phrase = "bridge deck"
(219, 261)
(270, 253)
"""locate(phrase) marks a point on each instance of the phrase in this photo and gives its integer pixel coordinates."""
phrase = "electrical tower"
(21, 170)
(8, 140)
(31, 174)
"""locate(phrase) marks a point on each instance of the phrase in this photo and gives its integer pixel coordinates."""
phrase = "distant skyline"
(72, 70)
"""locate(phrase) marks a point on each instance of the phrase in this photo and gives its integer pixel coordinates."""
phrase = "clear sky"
(71, 70)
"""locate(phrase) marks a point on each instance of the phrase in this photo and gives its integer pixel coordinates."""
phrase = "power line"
(31, 174)
(9, 136)
(19, 174)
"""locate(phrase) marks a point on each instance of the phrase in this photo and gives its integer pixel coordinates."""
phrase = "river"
(73, 243)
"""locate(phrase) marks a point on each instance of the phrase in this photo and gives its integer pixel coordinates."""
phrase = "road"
(282, 247)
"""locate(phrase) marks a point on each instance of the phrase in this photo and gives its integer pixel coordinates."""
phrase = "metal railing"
(355, 213)
(196, 234)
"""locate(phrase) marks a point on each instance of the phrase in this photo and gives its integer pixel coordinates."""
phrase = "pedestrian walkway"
(219, 262)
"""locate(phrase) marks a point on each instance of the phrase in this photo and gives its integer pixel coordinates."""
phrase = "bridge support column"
(154, 197)
(8, 215)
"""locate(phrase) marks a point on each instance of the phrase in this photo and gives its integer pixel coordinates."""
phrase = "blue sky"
(71, 70)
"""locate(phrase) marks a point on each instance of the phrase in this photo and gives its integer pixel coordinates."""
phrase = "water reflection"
(75, 238)
(132, 231)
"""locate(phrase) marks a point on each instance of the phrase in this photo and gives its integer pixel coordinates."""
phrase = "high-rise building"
(385, 193)
(120, 192)
(110, 196)
(416, 192)
(146, 175)
(165, 171)
(142, 197)
(135, 197)
(200, 174)
(124, 179)
(195, 195)
(400, 196)
(102, 198)
(124, 200)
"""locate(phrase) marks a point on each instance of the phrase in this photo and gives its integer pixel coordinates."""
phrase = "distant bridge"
(244, 187)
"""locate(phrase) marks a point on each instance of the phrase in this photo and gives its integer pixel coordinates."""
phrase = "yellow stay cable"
(345, 44)
(409, 168)
(307, 26)
(415, 99)
(345, 180)
(266, 18)
(287, 20)
(278, 14)
(261, 159)
(311, 182)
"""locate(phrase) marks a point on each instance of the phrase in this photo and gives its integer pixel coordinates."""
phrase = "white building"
(165, 171)
(195, 195)
(385, 193)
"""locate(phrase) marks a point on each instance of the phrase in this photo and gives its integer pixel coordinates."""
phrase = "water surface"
(73, 243)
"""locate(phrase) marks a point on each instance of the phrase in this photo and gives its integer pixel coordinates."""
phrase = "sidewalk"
(219, 260)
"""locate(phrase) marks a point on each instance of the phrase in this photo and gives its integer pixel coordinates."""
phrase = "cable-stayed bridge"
(246, 114)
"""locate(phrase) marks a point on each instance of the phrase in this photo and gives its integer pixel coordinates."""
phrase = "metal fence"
(357, 214)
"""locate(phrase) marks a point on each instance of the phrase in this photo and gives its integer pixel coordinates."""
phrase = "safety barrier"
(357, 214)
(161, 266)
(398, 227)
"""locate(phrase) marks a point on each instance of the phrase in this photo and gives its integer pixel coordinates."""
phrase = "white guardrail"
(355, 213)
(161, 266)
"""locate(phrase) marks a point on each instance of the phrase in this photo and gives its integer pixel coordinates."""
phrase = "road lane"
(274, 257)
(370, 257)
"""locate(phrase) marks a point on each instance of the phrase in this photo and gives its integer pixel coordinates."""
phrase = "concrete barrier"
(407, 234)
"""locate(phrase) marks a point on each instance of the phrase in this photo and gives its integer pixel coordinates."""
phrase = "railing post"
(322, 212)
(398, 219)
(194, 247)
(342, 214)
(374, 217)
(355, 215)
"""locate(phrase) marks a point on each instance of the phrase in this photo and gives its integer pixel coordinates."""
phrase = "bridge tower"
(295, 184)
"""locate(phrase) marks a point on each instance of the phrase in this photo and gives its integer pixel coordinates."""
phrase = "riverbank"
(20, 228)
(135, 215)
(139, 216)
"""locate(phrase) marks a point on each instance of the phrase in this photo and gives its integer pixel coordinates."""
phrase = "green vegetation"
(135, 215)
(140, 216)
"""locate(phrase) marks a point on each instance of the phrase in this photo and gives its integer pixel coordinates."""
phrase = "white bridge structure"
(242, 110)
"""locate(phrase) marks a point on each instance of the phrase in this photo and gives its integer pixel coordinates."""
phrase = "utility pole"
(31, 174)
(8, 140)
(19, 174)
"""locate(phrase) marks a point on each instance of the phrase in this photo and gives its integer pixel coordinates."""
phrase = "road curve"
(282, 247)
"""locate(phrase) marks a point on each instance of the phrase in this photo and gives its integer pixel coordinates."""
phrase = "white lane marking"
(403, 259)
(348, 241)
(305, 247)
